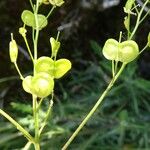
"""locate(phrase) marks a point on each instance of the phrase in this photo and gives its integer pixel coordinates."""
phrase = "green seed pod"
(111, 49)
(129, 50)
(55, 45)
(45, 64)
(42, 22)
(125, 52)
(13, 50)
(42, 85)
(28, 18)
(26, 84)
(62, 66)
(56, 2)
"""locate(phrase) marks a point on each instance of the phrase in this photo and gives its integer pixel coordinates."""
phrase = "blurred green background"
(122, 122)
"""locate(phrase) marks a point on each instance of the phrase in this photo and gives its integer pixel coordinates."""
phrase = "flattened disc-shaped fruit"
(129, 51)
(26, 84)
(42, 86)
(45, 64)
(28, 18)
(62, 66)
(111, 49)
(42, 21)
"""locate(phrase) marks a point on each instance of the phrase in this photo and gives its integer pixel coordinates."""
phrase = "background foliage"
(122, 121)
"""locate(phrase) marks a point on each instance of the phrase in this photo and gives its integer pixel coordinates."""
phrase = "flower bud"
(13, 50)
(56, 2)
(55, 45)
(42, 85)
(22, 31)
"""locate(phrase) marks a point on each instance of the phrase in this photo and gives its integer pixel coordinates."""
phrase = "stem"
(18, 70)
(129, 17)
(138, 20)
(47, 115)
(50, 12)
(113, 68)
(27, 146)
(29, 50)
(146, 46)
(31, 4)
(145, 16)
(37, 30)
(94, 108)
(36, 146)
(18, 126)
(36, 118)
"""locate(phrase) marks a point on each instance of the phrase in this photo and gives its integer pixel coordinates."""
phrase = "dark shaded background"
(80, 26)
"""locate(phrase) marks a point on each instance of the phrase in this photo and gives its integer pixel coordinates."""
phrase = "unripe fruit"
(13, 50)
(26, 83)
(56, 2)
(111, 49)
(129, 50)
(124, 52)
(62, 66)
(42, 85)
(45, 64)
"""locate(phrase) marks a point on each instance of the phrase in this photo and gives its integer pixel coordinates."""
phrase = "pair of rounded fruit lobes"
(41, 84)
(55, 69)
(124, 52)
(28, 19)
(56, 2)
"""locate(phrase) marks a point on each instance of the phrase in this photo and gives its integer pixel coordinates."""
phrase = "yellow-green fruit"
(45, 64)
(62, 66)
(129, 50)
(26, 84)
(111, 49)
(13, 51)
(56, 2)
(124, 52)
(42, 86)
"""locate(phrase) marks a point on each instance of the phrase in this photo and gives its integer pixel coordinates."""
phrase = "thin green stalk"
(18, 70)
(36, 118)
(113, 68)
(129, 17)
(50, 12)
(37, 30)
(37, 146)
(29, 50)
(138, 20)
(145, 16)
(146, 46)
(94, 108)
(27, 146)
(47, 115)
(31, 3)
(18, 126)
(39, 104)
(48, 15)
